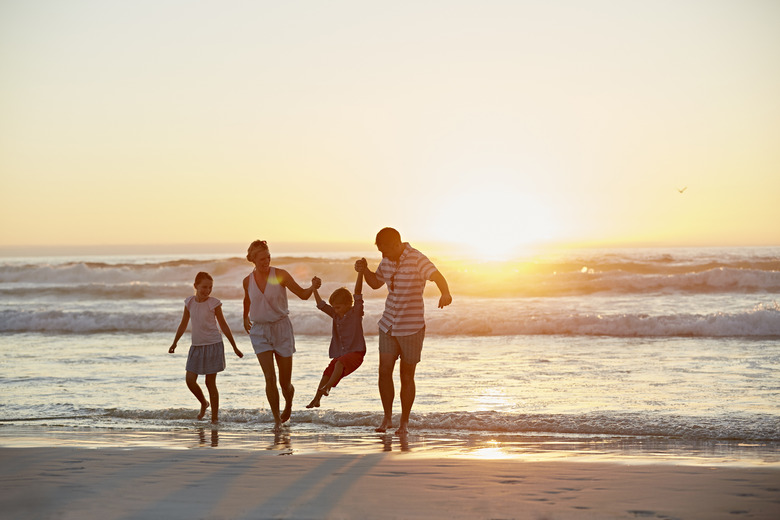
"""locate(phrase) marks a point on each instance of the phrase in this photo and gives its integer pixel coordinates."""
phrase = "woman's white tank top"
(270, 306)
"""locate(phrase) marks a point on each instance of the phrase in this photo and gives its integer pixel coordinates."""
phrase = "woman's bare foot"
(386, 423)
(402, 430)
(277, 427)
(325, 390)
(287, 412)
(315, 403)
(203, 407)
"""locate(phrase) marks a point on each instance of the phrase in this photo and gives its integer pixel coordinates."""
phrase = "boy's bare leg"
(335, 377)
(408, 391)
(315, 403)
(192, 383)
(211, 385)
(288, 390)
(386, 389)
(266, 360)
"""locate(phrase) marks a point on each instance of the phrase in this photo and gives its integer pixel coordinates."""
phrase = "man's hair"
(388, 234)
(340, 295)
(202, 276)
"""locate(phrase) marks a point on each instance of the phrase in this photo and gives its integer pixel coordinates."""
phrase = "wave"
(608, 273)
(746, 427)
(480, 318)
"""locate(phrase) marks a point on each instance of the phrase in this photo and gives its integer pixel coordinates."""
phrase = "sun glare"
(493, 222)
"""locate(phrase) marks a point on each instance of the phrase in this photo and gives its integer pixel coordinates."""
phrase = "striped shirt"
(405, 279)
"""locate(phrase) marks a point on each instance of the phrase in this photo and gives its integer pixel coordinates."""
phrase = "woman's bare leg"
(266, 360)
(285, 382)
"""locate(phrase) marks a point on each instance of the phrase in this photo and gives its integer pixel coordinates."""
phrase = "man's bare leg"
(408, 392)
(288, 390)
(386, 389)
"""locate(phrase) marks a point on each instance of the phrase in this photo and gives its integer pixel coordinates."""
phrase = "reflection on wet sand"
(214, 438)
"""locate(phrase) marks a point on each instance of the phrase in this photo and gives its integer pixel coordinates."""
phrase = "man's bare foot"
(315, 403)
(386, 423)
(203, 407)
(287, 412)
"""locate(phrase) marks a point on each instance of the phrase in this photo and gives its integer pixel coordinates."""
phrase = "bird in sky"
(681, 190)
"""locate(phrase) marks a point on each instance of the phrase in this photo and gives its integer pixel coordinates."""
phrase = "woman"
(267, 322)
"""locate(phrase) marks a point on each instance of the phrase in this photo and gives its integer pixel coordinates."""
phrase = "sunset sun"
(494, 222)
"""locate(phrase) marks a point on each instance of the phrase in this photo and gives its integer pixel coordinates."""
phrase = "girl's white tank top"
(270, 306)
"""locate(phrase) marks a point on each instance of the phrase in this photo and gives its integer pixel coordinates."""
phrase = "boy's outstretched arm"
(444, 289)
(359, 284)
(361, 266)
(314, 291)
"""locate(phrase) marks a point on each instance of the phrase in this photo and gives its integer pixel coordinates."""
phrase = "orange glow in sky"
(494, 125)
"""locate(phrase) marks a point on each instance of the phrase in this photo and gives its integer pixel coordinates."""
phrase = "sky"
(496, 124)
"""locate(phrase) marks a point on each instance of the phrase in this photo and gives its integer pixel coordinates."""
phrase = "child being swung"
(207, 353)
(347, 344)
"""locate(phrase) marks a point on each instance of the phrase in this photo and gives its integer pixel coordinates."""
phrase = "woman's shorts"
(206, 359)
(351, 361)
(409, 348)
(277, 337)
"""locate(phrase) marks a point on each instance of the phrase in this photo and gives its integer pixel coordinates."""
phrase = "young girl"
(207, 353)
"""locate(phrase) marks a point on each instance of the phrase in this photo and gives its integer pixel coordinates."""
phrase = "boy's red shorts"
(351, 362)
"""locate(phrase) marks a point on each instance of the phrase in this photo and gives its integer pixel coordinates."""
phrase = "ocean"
(667, 354)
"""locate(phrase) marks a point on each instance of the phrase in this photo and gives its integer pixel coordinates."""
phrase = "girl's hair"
(340, 295)
(257, 244)
(202, 276)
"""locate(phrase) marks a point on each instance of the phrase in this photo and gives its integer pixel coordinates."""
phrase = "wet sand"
(148, 483)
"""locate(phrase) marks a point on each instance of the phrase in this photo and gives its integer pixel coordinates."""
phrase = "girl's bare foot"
(386, 423)
(277, 427)
(325, 390)
(402, 430)
(287, 412)
(315, 403)
(203, 406)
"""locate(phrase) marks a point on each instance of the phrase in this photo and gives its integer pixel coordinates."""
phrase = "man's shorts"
(277, 336)
(408, 348)
(351, 361)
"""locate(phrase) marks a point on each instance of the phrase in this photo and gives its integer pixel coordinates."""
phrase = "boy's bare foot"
(386, 423)
(203, 407)
(315, 403)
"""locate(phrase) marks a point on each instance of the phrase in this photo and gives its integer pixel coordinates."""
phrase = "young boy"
(347, 344)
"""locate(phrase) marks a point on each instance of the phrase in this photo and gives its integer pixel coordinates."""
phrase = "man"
(405, 270)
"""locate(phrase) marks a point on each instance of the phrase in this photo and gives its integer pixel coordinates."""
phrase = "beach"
(150, 483)
(590, 384)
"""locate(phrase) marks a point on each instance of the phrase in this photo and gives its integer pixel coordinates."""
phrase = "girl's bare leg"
(266, 360)
(211, 385)
(192, 383)
(288, 390)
